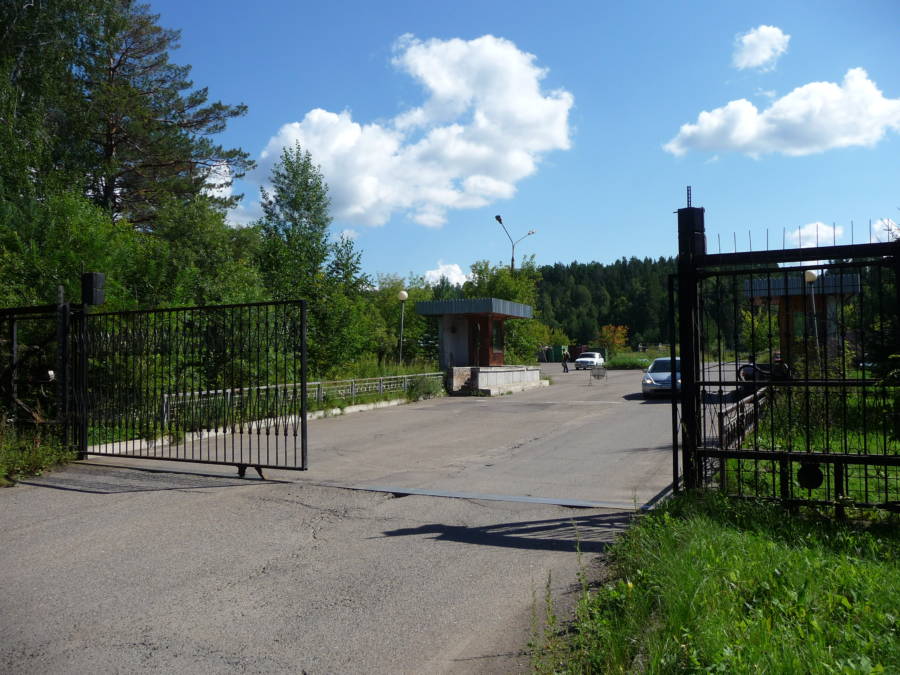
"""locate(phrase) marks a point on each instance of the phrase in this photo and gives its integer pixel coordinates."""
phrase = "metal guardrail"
(224, 407)
(740, 417)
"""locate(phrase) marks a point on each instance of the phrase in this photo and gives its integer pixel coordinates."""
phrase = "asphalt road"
(116, 565)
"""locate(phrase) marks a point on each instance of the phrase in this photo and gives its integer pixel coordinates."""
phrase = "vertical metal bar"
(83, 384)
(64, 413)
(14, 357)
(720, 357)
(303, 375)
(676, 486)
(735, 340)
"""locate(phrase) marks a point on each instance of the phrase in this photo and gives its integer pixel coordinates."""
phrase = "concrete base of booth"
(494, 380)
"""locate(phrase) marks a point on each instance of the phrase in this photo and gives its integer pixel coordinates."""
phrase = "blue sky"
(567, 118)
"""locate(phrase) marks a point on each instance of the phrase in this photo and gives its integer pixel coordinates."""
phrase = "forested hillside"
(578, 298)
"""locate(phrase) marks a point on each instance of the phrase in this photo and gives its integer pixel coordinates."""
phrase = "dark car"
(657, 379)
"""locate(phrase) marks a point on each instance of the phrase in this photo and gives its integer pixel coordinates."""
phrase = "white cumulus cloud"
(760, 48)
(348, 234)
(484, 124)
(452, 271)
(885, 229)
(816, 117)
(814, 235)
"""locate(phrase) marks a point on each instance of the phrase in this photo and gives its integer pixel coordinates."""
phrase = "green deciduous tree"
(298, 260)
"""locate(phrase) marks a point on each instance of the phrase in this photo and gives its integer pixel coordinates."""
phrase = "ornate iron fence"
(789, 389)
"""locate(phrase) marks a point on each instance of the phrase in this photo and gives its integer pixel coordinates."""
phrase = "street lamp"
(402, 297)
(512, 261)
(810, 276)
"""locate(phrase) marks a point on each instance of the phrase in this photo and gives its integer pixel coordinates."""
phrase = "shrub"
(28, 454)
(422, 388)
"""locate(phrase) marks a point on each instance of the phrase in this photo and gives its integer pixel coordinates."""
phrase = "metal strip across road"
(573, 503)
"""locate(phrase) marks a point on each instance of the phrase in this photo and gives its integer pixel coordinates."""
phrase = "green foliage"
(524, 337)
(498, 281)
(627, 363)
(579, 297)
(49, 243)
(424, 388)
(612, 339)
(707, 585)
(294, 227)
(758, 331)
(27, 454)
(94, 102)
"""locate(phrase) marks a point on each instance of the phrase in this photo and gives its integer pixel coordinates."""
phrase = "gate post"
(691, 245)
(63, 374)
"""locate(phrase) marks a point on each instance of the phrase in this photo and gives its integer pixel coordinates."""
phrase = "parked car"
(657, 379)
(588, 360)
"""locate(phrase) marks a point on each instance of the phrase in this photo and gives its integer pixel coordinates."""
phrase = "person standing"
(565, 360)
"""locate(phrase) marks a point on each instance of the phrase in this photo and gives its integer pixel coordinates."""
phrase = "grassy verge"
(628, 363)
(710, 585)
(24, 455)
(636, 360)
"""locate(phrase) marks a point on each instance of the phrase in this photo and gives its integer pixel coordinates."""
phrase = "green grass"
(636, 360)
(822, 421)
(371, 368)
(628, 363)
(23, 455)
(705, 584)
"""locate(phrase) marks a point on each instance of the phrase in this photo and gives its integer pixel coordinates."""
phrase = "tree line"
(578, 298)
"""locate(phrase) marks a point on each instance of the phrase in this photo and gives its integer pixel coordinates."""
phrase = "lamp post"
(810, 276)
(512, 261)
(402, 297)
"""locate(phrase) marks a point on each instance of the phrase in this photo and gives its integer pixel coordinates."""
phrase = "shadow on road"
(590, 534)
(105, 479)
(649, 401)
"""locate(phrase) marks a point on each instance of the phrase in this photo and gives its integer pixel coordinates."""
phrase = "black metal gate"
(790, 371)
(36, 381)
(218, 384)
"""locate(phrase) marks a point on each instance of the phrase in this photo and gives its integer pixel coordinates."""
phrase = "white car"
(588, 360)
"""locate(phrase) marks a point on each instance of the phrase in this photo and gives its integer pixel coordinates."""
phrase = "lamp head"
(499, 219)
(810, 276)
(402, 296)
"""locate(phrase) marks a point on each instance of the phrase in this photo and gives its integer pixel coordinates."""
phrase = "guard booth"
(471, 335)
(471, 331)
(809, 307)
